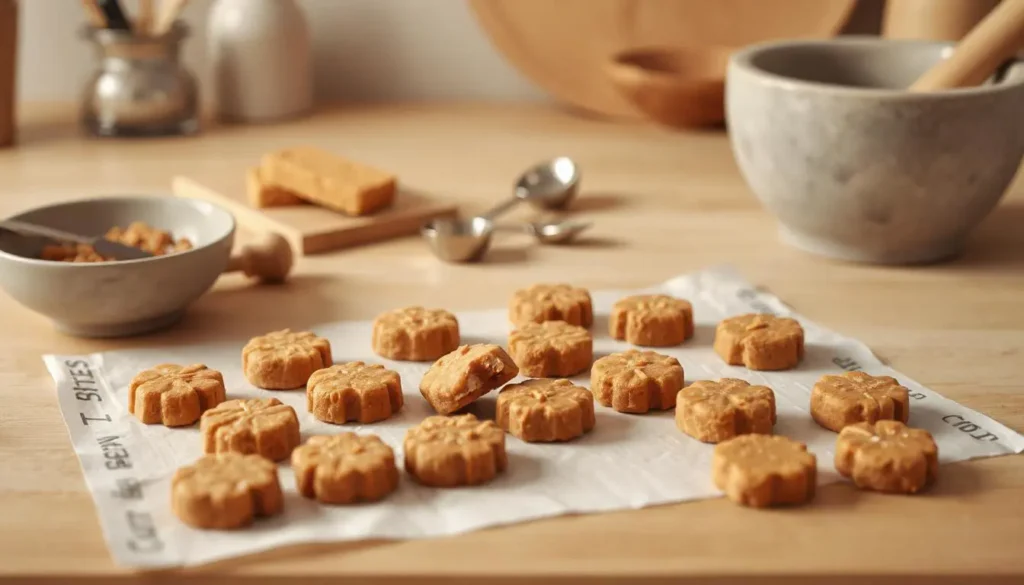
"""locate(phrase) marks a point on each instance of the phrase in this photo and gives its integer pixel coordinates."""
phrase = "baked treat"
(551, 302)
(464, 375)
(715, 411)
(354, 391)
(261, 195)
(853, 397)
(138, 234)
(226, 491)
(764, 470)
(636, 381)
(545, 410)
(415, 334)
(264, 427)
(760, 342)
(551, 348)
(284, 360)
(329, 180)
(887, 456)
(345, 468)
(652, 320)
(174, 395)
(450, 451)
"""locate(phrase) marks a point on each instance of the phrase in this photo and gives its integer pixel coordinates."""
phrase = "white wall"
(364, 50)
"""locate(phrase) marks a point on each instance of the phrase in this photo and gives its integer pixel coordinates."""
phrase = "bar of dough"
(326, 179)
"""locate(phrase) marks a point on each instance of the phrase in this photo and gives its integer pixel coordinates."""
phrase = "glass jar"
(140, 87)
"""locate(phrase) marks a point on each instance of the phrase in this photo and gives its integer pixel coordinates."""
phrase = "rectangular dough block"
(262, 195)
(325, 179)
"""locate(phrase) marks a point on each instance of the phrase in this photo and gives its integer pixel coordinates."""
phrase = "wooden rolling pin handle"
(269, 260)
(996, 38)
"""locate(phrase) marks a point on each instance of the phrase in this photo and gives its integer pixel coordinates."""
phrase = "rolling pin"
(996, 39)
(269, 259)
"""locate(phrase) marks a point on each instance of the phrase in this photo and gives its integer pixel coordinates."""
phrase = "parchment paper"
(627, 461)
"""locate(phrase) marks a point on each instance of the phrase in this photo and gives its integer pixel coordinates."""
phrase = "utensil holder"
(140, 88)
(8, 66)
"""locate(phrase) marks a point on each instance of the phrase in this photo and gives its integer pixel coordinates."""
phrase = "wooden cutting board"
(562, 45)
(311, 229)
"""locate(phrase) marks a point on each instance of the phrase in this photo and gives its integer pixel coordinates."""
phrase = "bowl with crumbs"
(87, 294)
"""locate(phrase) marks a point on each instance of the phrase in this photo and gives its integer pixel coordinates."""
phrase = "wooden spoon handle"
(269, 260)
(996, 38)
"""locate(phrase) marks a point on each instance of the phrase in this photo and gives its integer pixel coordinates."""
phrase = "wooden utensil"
(144, 19)
(935, 20)
(996, 38)
(563, 46)
(94, 14)
(680, 88)
(311, 229)
(269, 259)
(8, 67)
(169, 12)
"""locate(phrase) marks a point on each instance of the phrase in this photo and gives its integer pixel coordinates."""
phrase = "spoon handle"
(979, 54)
(500, 208)
(31, 229)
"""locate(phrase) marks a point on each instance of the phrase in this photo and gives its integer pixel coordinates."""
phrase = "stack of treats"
(307, 175)
(551, 341)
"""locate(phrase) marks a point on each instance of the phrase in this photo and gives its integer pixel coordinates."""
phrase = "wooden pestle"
(995, 39)
(269, 259)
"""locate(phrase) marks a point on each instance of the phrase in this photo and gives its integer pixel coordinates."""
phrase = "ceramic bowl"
(120, 298)
(856, 168)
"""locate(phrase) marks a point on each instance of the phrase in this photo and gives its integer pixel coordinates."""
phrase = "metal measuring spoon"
(558, 232)
(549, 185)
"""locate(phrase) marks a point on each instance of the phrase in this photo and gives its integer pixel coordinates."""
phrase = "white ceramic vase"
(261, 59)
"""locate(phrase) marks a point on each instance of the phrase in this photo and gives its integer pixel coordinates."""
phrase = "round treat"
(264, 427)
(764, 470)
(226, 491)
(551, 348)
(853, 397)
(715, 411)
(636, 381)
(450, 451)
(551, 302)
(760, 342)
(887, 456)
(469, 372)
(354, 392)
(174, 395)
(284, 360)
(345, 468)
(652, 320)
(415, 334)
(545, 410)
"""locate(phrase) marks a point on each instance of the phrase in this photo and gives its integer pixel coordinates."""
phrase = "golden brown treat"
(652, 320)
(262, 427)
(715, 411)
(764, 470)
(853, 397)
(326, 179)
(450, 451)
(545, 410)
(636, 381)
(415, 334)
(354, 392)
(262, 195)
(345, 468)
(174, 395)
(138, 235)
(226, 491)
(760, 342)
(887, 456)
(551, 302)
(551, 348)
(464, 375)
(284, 360)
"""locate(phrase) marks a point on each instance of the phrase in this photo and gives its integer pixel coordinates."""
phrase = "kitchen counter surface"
(663, 204)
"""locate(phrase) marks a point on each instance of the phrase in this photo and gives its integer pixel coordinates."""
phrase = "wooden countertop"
(664, 204)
